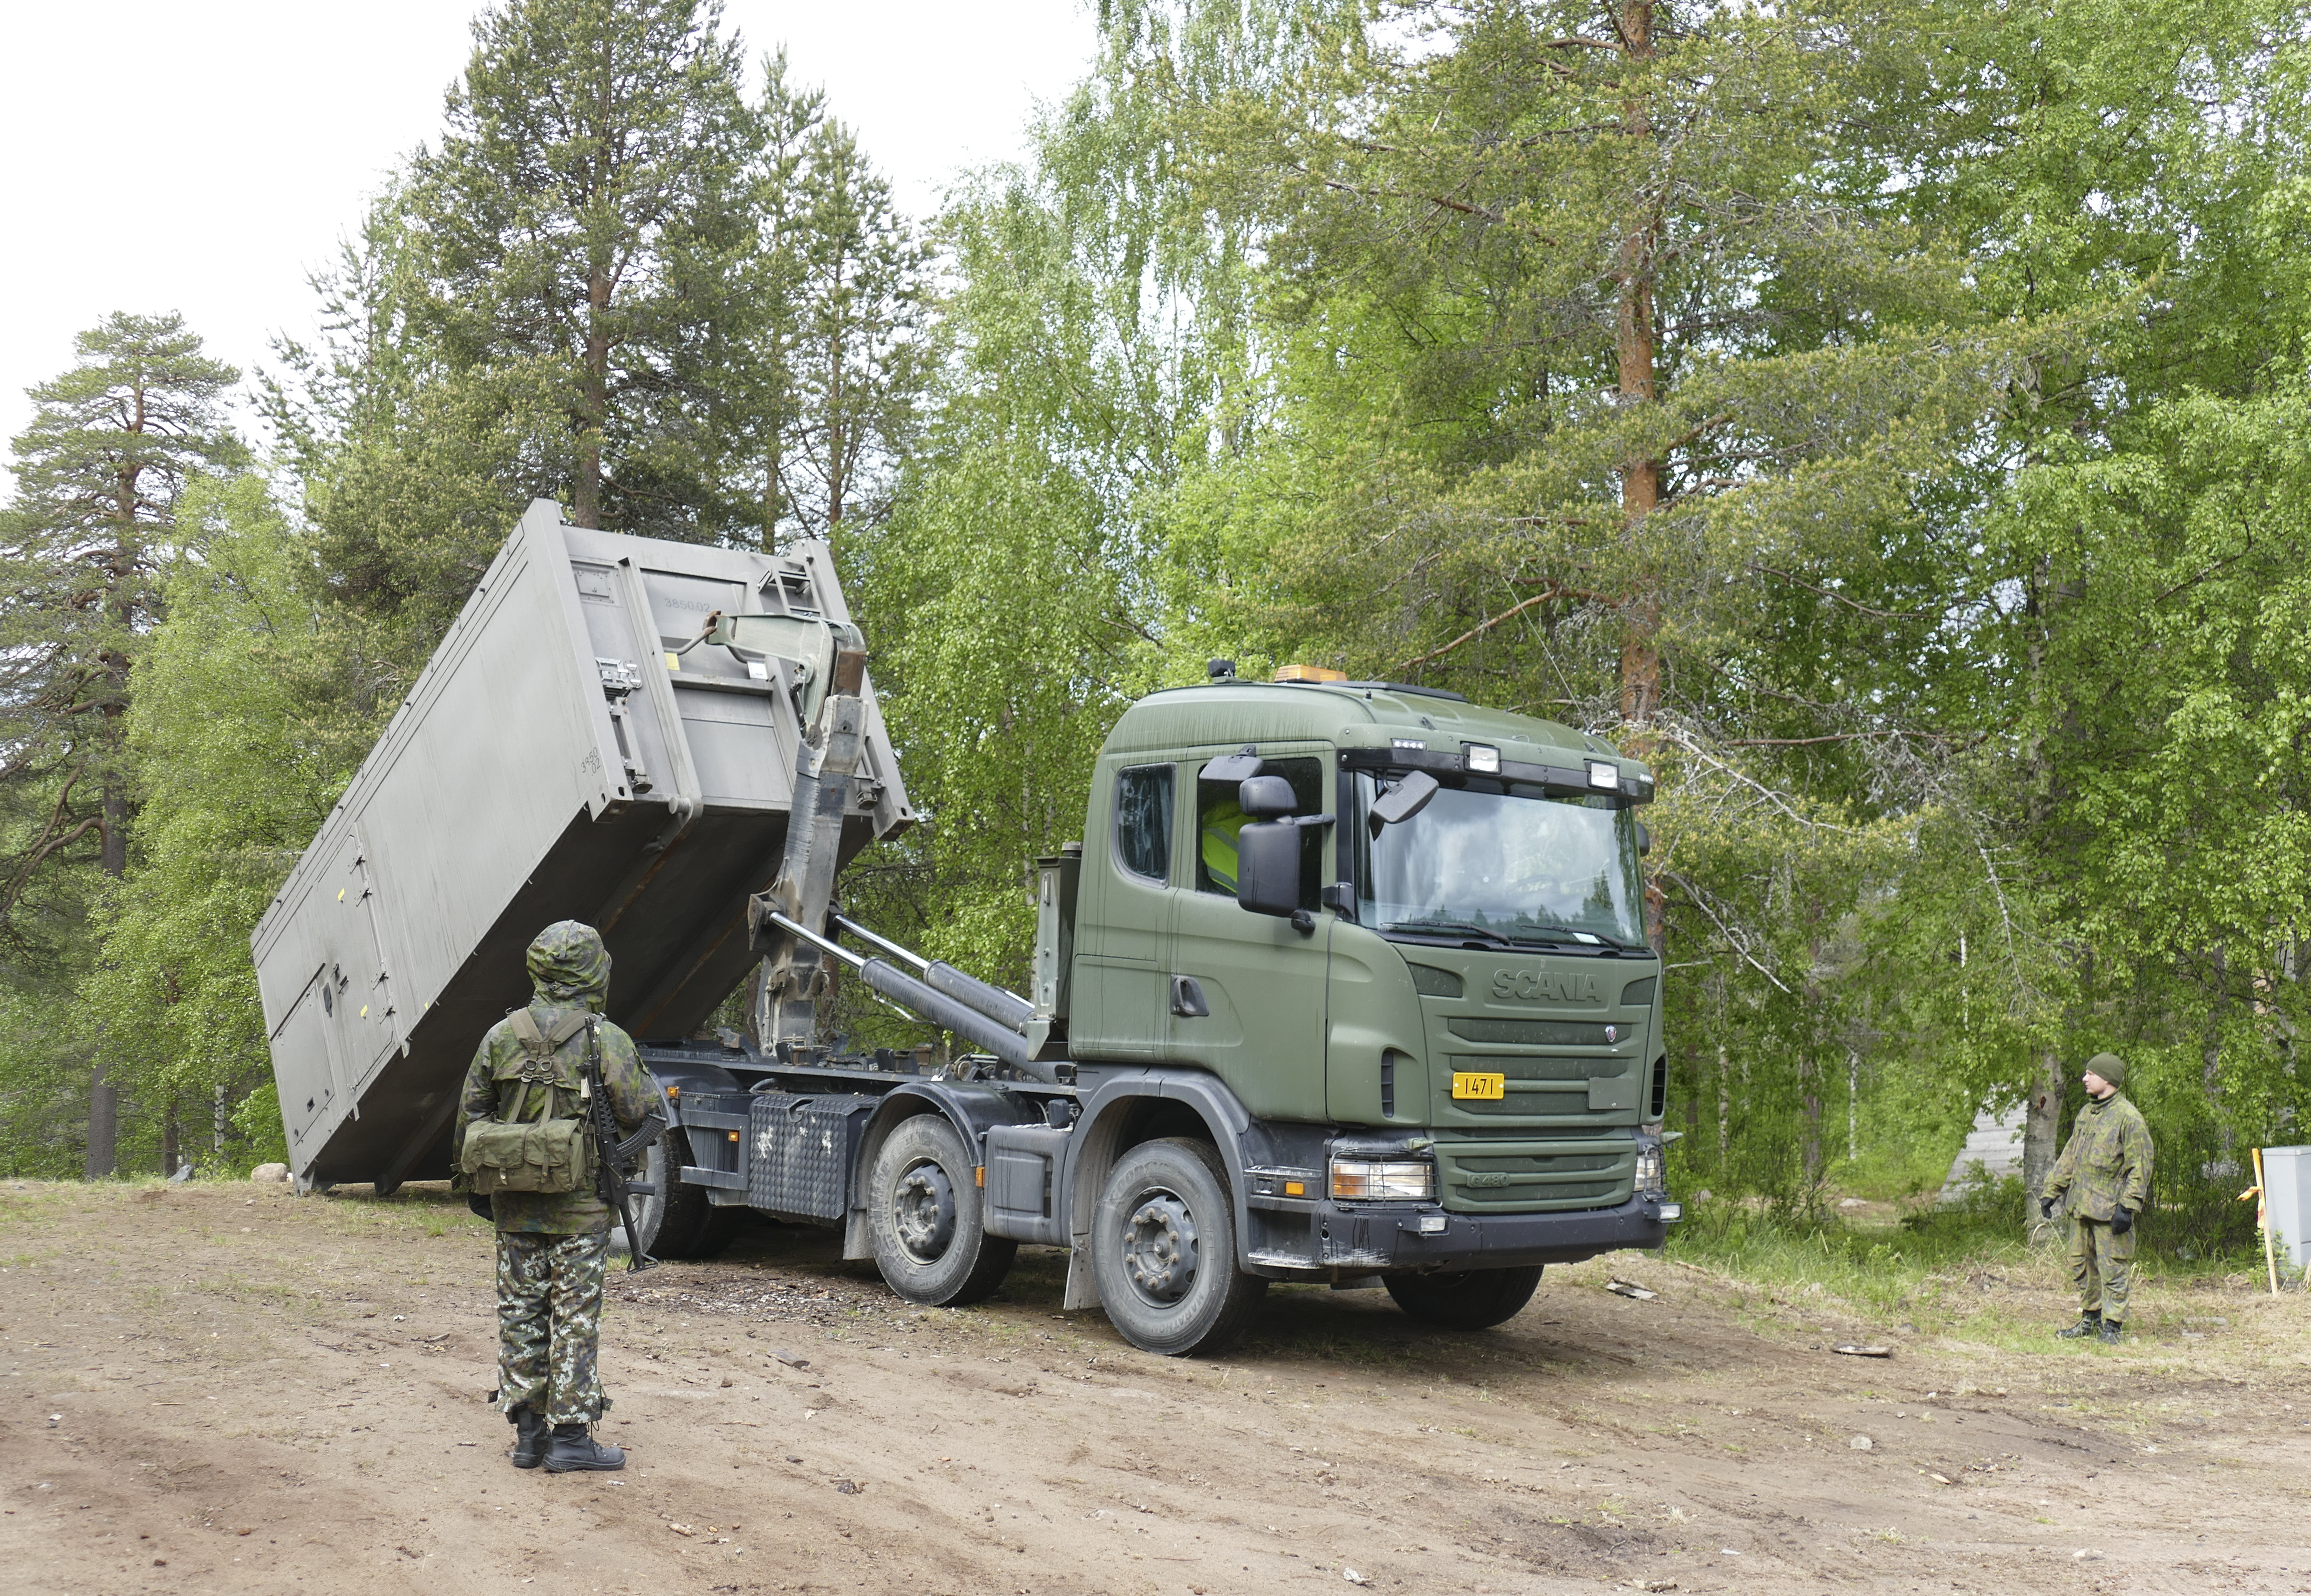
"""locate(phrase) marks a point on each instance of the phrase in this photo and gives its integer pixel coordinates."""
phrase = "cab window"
(1143, 820)
(1218, 819)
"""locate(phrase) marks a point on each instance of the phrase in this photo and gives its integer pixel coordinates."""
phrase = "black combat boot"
(529, 1436)
(2109, 1331)
(570, 1450)
(2090, 1324)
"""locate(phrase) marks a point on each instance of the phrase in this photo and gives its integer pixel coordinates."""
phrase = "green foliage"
(98, 473)
(1003, 659)
(1883, 417)
(255, 702)
(579, 233)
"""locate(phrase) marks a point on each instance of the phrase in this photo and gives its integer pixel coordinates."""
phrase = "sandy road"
(220, 1388)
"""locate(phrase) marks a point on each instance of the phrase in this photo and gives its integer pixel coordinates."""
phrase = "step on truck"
(1345, 982)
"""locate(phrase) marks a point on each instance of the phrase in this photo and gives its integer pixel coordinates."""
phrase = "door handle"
(1188, 998)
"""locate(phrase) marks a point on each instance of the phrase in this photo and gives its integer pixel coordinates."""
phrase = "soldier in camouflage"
(2101, 1180)
(553, 1248)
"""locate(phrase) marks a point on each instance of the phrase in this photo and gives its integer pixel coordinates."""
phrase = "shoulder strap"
(567, 1026)
(533, 1045)
(524, 1030)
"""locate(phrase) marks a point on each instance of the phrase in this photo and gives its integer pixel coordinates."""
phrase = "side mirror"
(1644, 838)
(1402, 801)
(1268, 864)
(1266, 798)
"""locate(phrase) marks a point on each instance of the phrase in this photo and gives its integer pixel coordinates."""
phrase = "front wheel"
(1471, 1300)
(1162, 1247)
(928, 1224)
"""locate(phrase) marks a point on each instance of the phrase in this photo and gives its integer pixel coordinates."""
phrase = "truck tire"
(1471, 1300)
(929, 1220)
(1162, 1247)
(681, 1221)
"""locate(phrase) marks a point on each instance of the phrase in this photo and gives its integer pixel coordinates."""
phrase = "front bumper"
(1326, 1240)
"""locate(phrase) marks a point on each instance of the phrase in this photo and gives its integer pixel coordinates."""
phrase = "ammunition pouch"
(552, 1156)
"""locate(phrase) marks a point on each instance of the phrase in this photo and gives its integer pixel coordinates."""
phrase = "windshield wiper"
(1560, 935)
(1449, 928)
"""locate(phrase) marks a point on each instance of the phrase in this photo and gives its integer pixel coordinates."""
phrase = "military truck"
(1345, 982)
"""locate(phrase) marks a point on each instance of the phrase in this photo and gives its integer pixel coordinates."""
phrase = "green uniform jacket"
(632, 1094)
(2106, 1166)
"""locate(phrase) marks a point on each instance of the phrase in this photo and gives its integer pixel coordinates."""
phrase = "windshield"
(1504, 860)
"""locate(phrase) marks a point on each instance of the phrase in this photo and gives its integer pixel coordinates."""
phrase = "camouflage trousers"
(2103, 1264)
(550, 1324)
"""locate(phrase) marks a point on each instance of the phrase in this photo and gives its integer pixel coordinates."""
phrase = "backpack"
(550, 1156)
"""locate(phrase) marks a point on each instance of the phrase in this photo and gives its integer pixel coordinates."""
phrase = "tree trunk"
(594, 386)
(103, 1097)
(1809, 1088)
(2042, 1123)
(1635, 347)
(170, 1137)
(103, 1127)
(836, 472)
(772, 466)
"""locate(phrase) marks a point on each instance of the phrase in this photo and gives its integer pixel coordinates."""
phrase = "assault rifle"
(612, 1155)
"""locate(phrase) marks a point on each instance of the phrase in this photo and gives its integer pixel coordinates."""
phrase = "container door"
(303, 1069)
(362, 1001)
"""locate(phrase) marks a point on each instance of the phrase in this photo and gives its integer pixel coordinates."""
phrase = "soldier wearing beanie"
(2101, 1180)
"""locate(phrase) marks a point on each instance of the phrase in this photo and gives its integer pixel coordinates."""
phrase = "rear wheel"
(1473, 1299)
(1162, 1246)
(681, 1221)
(929, 1223)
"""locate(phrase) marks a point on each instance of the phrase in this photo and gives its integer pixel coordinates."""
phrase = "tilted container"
(557, 759)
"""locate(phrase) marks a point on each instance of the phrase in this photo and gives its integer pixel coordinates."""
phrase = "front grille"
(1562, 1171)
(1528, 1033)
(1535, 1088)
(1517, 1068)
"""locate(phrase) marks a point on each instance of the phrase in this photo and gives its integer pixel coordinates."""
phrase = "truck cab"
(1429, 1056)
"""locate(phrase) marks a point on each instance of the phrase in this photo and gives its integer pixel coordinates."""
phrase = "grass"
(1965, 1272)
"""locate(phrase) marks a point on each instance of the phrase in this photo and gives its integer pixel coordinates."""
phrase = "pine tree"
(827, 392)
(110, 446)
(578, 238)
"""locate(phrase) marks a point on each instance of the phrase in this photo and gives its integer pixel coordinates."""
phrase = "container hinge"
(620, 678)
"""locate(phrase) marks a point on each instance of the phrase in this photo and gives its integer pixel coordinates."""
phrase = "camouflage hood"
(568, 962)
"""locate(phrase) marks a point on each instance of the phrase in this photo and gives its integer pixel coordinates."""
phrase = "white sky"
(203, 158)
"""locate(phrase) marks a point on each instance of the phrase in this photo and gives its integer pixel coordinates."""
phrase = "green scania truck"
(1345, 982)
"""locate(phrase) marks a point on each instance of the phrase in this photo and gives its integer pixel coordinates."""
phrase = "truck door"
(1261, 983)
(1123, 914)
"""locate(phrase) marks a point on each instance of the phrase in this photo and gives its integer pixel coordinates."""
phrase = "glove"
(2121, 1223)
(2045, 1207)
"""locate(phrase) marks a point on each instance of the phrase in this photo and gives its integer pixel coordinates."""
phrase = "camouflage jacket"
(2106, 1166)
(632, 1094)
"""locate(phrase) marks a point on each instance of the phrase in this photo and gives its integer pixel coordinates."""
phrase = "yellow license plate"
(1484, 1089)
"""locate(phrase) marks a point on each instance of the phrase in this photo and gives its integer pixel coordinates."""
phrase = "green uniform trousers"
(550, 1324)
(2103, 1264)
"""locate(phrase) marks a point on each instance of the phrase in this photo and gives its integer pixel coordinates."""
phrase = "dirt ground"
(224, 1388)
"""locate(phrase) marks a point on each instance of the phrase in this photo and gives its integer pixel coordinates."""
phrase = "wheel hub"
(922, 1208)
(1159, 1248)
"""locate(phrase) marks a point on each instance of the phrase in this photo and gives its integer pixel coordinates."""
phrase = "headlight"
(1649, 1170)
(1369, 1180)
